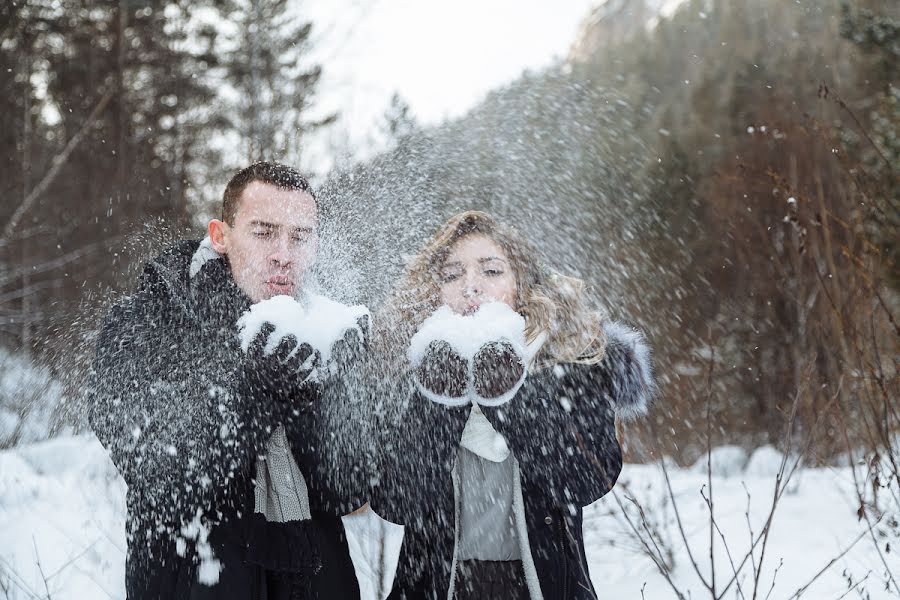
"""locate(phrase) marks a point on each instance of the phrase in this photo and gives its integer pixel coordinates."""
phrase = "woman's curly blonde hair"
(548, 301)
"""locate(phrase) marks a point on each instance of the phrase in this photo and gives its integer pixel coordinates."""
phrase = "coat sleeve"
(416, 450)
(333, 450)
(164, 405)
(564, 438)
(625, 374)
(565, 428)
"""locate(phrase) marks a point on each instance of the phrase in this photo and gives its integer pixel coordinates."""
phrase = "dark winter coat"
(560, 427)
(165, 405)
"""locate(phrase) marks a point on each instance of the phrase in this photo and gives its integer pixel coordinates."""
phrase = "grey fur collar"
(629, 382)
(205, 253)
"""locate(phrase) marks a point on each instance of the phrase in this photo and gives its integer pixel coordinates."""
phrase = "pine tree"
(399, 120)
(119, 79)
(269, 74)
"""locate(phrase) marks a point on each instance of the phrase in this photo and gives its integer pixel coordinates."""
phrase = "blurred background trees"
(151, 90)
(724, 176)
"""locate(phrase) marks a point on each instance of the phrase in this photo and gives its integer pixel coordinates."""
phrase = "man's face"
(272, 244)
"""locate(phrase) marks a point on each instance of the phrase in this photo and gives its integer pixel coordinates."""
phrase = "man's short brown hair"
(275, 174)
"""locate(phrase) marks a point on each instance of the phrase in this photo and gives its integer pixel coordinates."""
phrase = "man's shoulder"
(161, 277)
(176, 256)
(169, 270)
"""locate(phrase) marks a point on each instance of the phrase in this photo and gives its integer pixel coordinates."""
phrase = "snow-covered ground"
(62, 521)
(814, 522)
(62, 513)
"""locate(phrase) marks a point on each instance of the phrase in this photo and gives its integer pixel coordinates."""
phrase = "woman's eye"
(299, 239)
(493, 272)
(262, 234)
(448, 277)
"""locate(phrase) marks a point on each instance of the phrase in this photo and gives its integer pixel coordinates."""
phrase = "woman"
(486, 466)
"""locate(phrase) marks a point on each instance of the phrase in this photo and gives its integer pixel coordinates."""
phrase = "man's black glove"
(280, 375)
(497, 369)
(349, 350)
(443, 371)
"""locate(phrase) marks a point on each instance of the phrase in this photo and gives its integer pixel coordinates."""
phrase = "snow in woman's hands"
(316, 320)
(467, 334)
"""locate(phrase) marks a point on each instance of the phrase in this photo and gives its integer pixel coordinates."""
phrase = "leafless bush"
(745, 564)
(31, 401)
(833, 314)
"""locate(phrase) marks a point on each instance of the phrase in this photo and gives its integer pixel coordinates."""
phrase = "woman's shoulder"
(623, 376)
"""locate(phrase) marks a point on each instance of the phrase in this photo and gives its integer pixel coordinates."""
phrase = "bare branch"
(58, 163)
(657, 559)
(724, 543)
(853, 586)
(59, 261)
(681, 531)
(774, 577)
(805, 587)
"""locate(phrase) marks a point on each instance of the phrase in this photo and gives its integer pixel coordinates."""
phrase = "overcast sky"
(441, 56)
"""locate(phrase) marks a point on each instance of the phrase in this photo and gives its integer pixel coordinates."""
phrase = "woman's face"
(475, 272)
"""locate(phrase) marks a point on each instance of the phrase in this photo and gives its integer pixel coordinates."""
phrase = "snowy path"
(62, 502)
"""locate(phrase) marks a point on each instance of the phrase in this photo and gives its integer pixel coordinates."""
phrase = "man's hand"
(347, 351)
(279, 374)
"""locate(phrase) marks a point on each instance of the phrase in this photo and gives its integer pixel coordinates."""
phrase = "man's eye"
(299, 239)
(493, 272)
(448, 277)
(262, 234)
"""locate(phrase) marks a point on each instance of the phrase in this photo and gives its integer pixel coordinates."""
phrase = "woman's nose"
(473, 286)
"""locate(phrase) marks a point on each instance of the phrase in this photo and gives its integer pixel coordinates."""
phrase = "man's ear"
(217, 230)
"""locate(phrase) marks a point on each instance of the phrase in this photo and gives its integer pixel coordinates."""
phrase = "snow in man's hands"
(467, 334)
(315, 320)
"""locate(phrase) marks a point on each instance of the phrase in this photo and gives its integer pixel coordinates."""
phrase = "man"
(186, 415)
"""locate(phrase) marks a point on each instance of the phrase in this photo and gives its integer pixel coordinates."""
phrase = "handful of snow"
(198, 531)
(493, 322)
(316, 320)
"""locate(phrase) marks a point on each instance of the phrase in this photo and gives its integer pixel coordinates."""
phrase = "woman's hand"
(495, 374)
(479, 358)
(497, 369)
(443, 372)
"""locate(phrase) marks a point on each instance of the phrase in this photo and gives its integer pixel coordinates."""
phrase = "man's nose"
(280, 255)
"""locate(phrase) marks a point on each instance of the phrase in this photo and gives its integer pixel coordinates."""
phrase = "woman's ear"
(217, 230)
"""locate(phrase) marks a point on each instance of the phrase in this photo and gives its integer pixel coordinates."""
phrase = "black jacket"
(561, 428)
(165, 406)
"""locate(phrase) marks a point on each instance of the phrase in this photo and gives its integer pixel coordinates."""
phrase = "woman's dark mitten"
(443, 371)
(497, 369)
